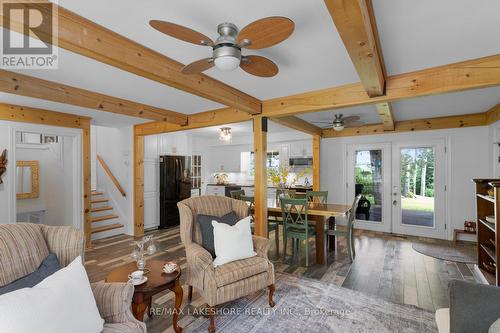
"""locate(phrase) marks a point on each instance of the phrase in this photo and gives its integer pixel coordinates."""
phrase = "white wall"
(55, 181)
(469, 156)
(114, 145)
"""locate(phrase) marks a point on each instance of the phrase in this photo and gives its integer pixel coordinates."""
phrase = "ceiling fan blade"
(355, 124)
(181, 32)
(198, 66)
(351, 119)
(322, 122)
(266, 32)
(259, 66)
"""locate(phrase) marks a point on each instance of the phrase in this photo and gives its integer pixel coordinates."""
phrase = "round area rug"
(465, 253)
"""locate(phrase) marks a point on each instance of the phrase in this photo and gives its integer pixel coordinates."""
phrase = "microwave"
(300, 162)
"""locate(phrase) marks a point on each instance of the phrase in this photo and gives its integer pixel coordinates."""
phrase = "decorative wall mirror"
(27, 183)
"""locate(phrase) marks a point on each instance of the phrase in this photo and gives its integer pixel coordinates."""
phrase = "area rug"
(305, 305)
(465, 253)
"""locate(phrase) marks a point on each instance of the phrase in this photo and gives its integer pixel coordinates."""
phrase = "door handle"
(395, 202)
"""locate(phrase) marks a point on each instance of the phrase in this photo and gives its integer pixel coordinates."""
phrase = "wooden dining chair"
(296, 224)
(348, 230)
(285, 192)
(271, 224)
(317, 196)
(237, 194)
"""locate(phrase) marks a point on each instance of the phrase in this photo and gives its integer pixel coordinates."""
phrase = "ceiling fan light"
(338, 128)
(227, 63)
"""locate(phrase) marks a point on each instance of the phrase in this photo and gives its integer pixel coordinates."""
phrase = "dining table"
(323, 215)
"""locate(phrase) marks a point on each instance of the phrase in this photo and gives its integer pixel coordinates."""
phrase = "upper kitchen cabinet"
(301, 149)
(226, 159)
(175, 144)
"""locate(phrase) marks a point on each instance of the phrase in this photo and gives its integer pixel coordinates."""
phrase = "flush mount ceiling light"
(226, 50)
(225, 134)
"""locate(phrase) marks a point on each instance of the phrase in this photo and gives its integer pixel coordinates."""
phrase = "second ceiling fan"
(226, 50)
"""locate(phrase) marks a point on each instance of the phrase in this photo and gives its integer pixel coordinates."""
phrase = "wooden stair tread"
(96, 193)
(98, 201)
(106, 228)
(101, 209)
(104, 218)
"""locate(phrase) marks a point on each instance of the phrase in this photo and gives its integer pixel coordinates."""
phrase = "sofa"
(23, 246)
(221, 284)
(473, 308)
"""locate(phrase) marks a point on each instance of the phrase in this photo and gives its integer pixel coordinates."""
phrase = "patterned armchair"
(230, 281)
(23, 246)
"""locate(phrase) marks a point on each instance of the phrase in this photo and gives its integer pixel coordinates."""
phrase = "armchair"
(230, 281)
(24, 246)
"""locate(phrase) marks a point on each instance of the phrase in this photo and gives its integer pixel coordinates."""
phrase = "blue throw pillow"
(49, 266)
(207, 230)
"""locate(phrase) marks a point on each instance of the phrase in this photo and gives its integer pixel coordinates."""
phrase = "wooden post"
(260, 175)
(138, 184)
(87, 227)
(316, 161)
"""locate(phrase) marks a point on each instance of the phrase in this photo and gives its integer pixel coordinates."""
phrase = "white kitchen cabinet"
(301, 149)
(226, 160)
(216, 190)
(271, 192)
(248, 190)
(175, 144)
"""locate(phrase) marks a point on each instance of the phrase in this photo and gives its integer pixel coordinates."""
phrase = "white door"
(369, 173)
(418, 189)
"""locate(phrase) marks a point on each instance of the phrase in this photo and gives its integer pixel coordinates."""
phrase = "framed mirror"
(27, 183)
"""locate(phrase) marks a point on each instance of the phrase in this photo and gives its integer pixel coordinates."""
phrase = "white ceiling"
(414, 35)
(426, 33)
(237, 129)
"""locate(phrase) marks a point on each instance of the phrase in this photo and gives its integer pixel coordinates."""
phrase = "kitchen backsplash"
(242, 178)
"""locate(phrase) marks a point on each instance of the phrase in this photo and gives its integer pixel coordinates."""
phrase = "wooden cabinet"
(488, 222)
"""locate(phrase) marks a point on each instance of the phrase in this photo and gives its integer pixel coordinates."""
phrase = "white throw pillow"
(61, 303)
(232, 242)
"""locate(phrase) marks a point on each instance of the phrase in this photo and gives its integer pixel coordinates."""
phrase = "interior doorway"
(47, 182)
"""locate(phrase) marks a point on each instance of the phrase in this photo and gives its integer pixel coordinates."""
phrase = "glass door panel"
(417, 186)
(368, 183)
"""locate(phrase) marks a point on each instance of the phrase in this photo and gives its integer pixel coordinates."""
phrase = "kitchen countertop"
(252, 185)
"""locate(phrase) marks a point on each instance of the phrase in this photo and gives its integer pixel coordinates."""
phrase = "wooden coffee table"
(158, 281)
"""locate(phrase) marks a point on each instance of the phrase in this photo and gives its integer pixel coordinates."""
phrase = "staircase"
(104, 223)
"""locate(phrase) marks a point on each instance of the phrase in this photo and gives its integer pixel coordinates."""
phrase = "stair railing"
(110, 174)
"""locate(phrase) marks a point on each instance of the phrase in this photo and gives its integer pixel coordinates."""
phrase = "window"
(272, 161)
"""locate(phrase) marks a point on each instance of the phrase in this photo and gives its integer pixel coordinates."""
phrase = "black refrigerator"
(175, 186)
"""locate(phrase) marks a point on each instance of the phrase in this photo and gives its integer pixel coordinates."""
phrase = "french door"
(402, 187)
(369, 174)
(418, 189)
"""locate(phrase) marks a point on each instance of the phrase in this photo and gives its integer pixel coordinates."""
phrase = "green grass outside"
(424, 204)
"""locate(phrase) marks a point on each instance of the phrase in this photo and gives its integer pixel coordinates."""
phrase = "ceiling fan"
(226, 50)
(339, 122)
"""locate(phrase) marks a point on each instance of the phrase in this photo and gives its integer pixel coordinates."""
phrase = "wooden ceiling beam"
(493, 114)
(356, 25)
(27, 114)
(466, 75)
(19, 84)
(385, 112)
(298, 124)
(197, 120)
(468, 120)
(82, 36)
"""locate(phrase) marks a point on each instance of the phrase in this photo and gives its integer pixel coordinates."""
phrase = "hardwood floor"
(386, 266)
